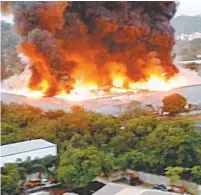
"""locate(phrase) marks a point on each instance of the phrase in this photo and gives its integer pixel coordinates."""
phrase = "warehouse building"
(34, 149)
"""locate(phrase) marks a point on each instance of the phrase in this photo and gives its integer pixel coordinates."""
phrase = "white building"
(35, 149)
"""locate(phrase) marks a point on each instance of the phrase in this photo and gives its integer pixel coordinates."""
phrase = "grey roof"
(123, 189)
(25, 146)
(110, 189)
(138, 191)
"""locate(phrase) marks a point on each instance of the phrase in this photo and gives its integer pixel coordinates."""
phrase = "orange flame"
(44, 86)
(80, 92)
(118, 81)
(159, 84)
(85, 91)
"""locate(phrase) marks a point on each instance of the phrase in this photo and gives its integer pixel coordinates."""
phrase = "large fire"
(93, 49)
(85, 91)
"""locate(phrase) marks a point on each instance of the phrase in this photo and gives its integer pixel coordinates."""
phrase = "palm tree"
(40, 168)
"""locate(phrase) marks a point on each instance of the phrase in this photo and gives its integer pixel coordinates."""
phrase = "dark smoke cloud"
(86, 38)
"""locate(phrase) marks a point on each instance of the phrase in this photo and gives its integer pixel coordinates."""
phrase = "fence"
(156, 179)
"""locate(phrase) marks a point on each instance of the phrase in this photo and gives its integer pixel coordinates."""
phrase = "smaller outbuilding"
(33, 149)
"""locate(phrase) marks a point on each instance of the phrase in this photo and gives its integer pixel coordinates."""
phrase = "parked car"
(160, 187)
(45, 182)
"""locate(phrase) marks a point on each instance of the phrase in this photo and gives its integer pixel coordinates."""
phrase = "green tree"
(108, 163)
(40, 168)
(196, 174)
(9, 133)
(102, 129)
(41, 128)
(123, 142)
(174, 173)
(142, 126)
(49, 161)
(133, 160)
(74, 122)
(23, 173)
(174, 103)
(10, 179)
(77, 141)
(27, 164)
(172, 144)
(78, 167)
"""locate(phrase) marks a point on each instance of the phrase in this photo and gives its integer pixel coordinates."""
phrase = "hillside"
(187, 24)
(10, 62)
(188, 50)
(185, 49)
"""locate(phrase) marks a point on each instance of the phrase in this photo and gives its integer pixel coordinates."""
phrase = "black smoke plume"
(66, 41)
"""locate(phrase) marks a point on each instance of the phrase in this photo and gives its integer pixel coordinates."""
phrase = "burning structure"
(77, 48)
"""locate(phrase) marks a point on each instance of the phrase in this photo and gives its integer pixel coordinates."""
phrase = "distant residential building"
(34, 149)
(188, 37)
(198, 62)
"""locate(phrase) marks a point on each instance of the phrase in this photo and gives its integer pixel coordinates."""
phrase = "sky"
(186, 7)
(189, 7)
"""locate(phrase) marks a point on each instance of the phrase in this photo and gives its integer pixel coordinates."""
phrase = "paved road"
(108, 105)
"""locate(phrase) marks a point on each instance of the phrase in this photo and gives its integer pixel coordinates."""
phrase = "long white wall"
(36, 154)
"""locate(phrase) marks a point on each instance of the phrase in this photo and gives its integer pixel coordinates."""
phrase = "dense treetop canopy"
(91, 144)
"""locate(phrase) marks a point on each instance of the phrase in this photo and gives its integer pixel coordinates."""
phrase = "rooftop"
(25, 146)
(122, 189)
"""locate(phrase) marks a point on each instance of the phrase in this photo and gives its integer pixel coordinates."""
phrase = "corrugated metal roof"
(25, 146)
(123, 189)
(110, 189)
(138, 191)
